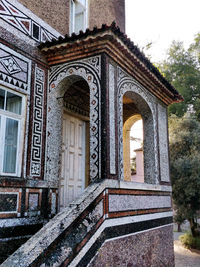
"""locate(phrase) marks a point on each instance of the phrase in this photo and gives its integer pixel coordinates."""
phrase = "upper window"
(11, 125)
(78, 16)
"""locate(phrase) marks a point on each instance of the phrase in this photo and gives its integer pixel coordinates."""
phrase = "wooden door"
(72, 181)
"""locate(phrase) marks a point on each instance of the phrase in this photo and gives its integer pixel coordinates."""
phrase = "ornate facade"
(63, 104)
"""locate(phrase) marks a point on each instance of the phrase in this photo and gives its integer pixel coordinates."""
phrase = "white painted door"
(73, 160)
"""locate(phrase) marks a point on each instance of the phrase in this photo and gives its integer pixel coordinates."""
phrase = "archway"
(74, 91)
(132, 140)
(134, 105)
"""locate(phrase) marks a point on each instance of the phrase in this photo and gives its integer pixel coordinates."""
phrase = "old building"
(71, 86)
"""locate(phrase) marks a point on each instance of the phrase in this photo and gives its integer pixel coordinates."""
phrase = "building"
(63, 102)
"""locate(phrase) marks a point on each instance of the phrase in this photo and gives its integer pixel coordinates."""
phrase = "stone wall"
(149, 249)
(106, 212)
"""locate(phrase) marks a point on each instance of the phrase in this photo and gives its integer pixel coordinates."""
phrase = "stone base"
(148, 249)
(7, 247)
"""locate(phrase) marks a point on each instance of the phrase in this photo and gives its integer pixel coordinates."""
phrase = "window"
(78, 16)
(11, 128)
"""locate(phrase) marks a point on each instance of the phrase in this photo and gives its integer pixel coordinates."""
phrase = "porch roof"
(120, 48)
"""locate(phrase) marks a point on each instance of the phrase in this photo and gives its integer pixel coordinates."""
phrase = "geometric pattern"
(22, 22)
(36, 152)
(15, 69)
(89, 70)
(10, 65)
(127, 83)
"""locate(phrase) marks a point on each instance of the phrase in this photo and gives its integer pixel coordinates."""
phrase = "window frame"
(73, 15)
(20, 118)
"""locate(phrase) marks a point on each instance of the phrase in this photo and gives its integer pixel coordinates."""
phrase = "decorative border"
(37, 130)
(96, 222)
(15, 69)
(27, 207)
(127, 83)
(15, 191)
(112, 118)
(88, 69)
(24, 23)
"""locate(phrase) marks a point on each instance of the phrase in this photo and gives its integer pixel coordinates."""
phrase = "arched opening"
(75, 165)
(139, 165)
(133, 148)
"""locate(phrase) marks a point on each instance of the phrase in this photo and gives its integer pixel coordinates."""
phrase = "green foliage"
(184, 134)
(178, 217)
(181, 69)
(195, 47)
(189, 241)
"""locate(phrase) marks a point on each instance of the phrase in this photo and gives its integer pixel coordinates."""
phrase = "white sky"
(137, 132)
(161, 22)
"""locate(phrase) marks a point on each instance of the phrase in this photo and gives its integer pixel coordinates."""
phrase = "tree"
(184, 136)
(195, 48)
(179, 218)
(181, 69)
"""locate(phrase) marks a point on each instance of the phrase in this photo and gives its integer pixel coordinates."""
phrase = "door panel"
(72, 181)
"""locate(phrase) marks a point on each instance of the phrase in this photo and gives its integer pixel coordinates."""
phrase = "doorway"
(75, 156)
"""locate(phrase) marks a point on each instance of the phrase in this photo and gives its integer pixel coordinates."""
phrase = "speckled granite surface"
(147, 249)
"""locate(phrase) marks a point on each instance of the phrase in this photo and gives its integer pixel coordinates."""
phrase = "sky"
(161, 22)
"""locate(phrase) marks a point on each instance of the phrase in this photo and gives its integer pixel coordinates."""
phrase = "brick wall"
(107, 11)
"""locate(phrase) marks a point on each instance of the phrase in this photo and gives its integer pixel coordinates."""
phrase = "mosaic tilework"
(88, 69)
(127, 83)
(36, 153)
(18, 19)
(15, 69)
(163, 143)
(112, 117)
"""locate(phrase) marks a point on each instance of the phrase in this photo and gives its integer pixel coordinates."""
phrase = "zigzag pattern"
(13, 81)
(22, 22)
